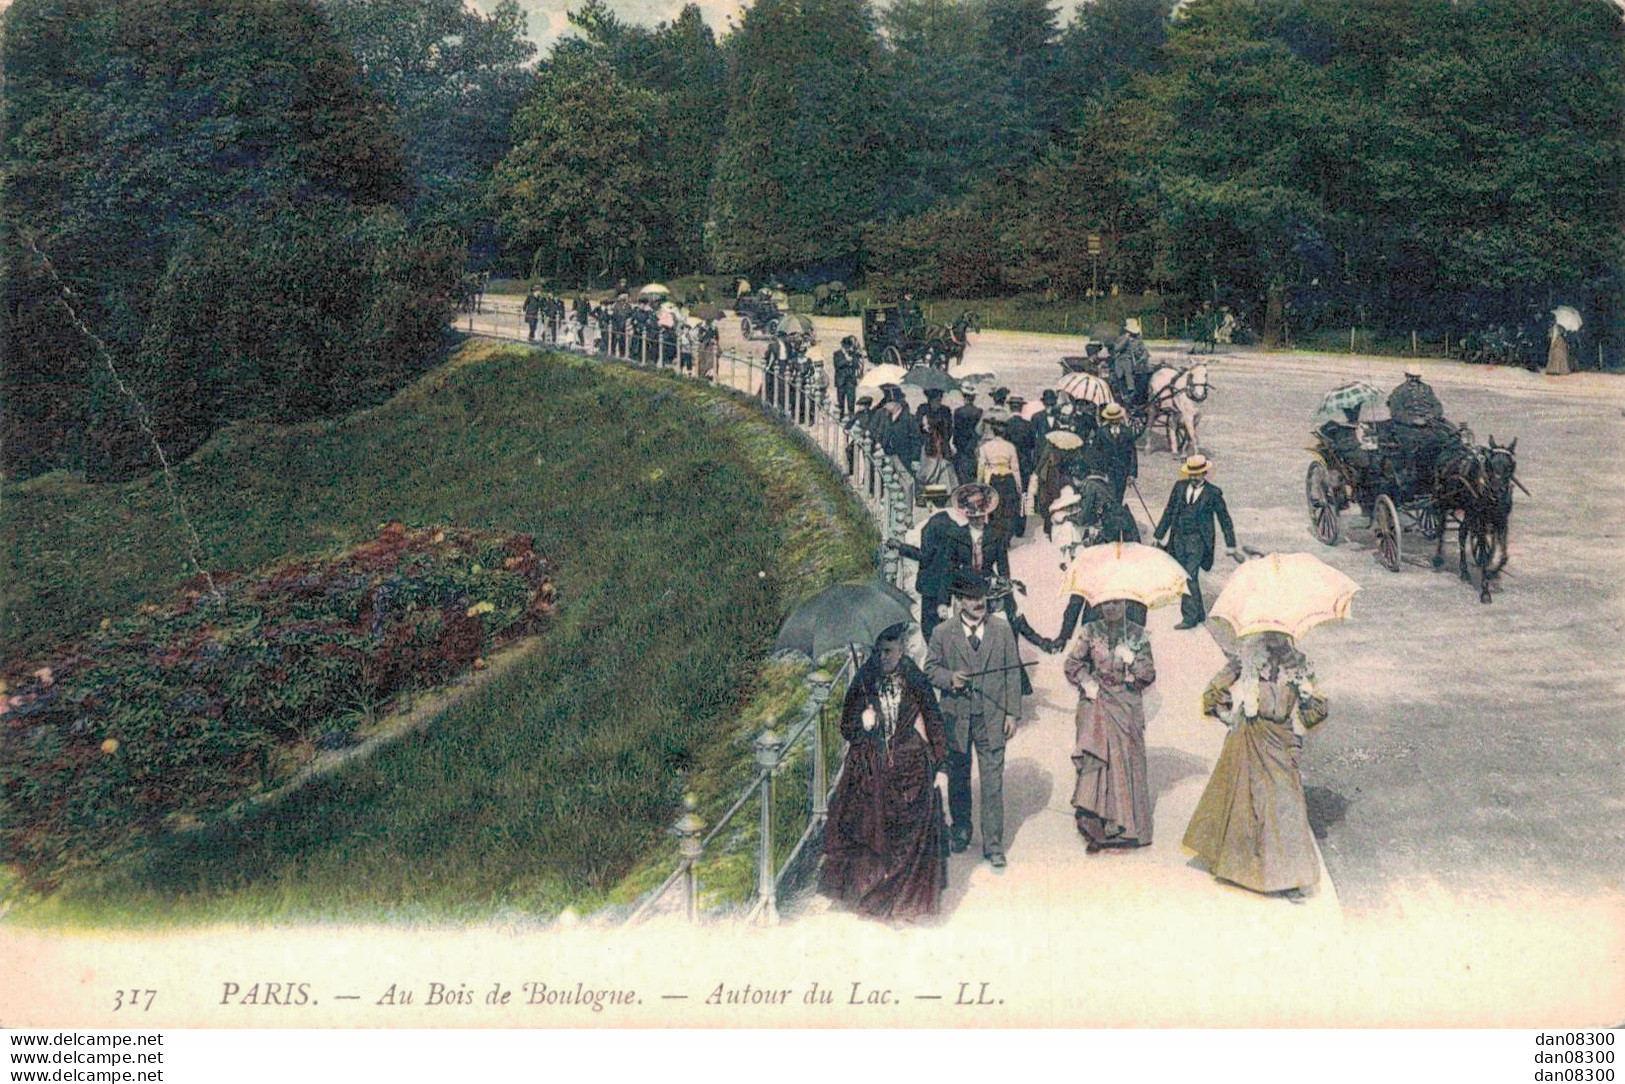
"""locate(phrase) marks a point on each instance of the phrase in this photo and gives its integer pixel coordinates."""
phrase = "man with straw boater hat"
(1111, 450)
(1187, 523)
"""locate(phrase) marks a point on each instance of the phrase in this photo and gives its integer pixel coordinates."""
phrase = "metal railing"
(799, 397)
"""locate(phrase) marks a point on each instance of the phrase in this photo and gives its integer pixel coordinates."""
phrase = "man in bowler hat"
(974, 664)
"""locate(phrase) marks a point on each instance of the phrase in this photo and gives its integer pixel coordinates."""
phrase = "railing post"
(688, 829)
(769, 747)
(818, 689)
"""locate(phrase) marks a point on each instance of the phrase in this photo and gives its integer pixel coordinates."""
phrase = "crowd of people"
(651, 330)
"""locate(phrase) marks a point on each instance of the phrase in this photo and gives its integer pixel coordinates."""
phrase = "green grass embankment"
(684, 526)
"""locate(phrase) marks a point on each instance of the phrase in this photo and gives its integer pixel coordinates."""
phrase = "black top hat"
(891, 393)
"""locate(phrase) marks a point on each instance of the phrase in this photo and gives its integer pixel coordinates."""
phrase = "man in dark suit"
(953, 541)
(1111, 451)
(1188, 524)
(848, 369)
(974, 664)
(967, 436)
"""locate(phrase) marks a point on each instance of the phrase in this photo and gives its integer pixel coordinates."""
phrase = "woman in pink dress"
(1111, 665)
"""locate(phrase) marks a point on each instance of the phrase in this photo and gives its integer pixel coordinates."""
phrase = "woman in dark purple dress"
(885, 851)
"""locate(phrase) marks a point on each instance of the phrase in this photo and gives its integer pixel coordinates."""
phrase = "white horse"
(1176, 406)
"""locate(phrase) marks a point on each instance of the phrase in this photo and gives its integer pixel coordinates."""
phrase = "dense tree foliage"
(452, 79)
(806, 152)
(146, 138)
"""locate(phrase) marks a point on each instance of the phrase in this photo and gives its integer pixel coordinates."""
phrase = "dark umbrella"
(847, 613)
(927, 378)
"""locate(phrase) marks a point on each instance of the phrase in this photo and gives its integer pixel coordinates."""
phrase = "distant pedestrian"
(533, 310)
(1557, 352)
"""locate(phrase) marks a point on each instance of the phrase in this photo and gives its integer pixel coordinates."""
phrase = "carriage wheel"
(892, 356)
(1430, 521)
(1320, 493)
(744, 326)
(1386, 522)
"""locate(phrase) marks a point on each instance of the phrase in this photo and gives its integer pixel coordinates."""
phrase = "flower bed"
(179, 711)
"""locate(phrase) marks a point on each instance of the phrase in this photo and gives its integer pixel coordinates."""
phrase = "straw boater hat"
(1413, 369)
(1132, 326)
(976, 499)
(1112, 412)
(1195, 467)
(1014, 401)
(1067, 499)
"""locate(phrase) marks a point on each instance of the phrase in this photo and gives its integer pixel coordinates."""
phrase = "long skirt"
(1007, 516)
(905, 879)
(1112, 788)
(1557, 357)
(1252, 825)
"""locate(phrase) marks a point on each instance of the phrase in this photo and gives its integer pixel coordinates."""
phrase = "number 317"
(131, 999)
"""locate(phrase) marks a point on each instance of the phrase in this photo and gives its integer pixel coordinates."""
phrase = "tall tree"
(800, 170)
(581, 192)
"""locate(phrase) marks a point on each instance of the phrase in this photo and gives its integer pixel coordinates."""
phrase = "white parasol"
(1086, 386)
(1567, 317)
(1284, 592)
(1125, 570)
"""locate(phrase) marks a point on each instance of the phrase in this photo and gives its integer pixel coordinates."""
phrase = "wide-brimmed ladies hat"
(1113, 412)
(1068, 498)
(1064, 439)
(1195, 467)
(1132, 325)
(976, 499)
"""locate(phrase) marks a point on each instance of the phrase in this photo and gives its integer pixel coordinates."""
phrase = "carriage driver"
(1418, 422)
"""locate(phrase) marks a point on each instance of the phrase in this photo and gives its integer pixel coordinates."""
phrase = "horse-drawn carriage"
(1417, 480)
(1171, 404)
(900, 336)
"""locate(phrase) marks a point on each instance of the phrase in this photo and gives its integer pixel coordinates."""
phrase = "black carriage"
(892, 336)
(1392, 485)
(759, 311)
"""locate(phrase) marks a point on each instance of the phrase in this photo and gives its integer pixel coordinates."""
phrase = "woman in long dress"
(1111, 665)
(1557, 352)
(885, 850)
(1251, 826)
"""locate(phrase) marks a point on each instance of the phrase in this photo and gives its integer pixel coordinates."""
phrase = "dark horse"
(1475, 485)
(946, 342)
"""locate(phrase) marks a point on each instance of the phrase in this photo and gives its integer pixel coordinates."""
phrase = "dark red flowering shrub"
(180, 710)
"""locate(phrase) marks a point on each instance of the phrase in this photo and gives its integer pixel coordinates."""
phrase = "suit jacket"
(1189, 527)
(946, 547)
(967, 429)
(991, 696)
(1115, 457)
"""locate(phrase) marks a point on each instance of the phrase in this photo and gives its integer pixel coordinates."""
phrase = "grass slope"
(684, 526)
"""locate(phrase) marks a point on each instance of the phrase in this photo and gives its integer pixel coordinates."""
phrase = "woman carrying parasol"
(885, 851)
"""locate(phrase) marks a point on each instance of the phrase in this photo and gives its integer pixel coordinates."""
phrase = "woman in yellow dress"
(1251, 826)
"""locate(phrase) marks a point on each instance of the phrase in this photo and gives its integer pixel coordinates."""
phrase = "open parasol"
(1567, 317)
(1125, 570)
(655, 289)
(1284, 592)
(884, 374)
(926, 378)
(792, 324)
(847, 613)
(1086, 386)
(1356, 393)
